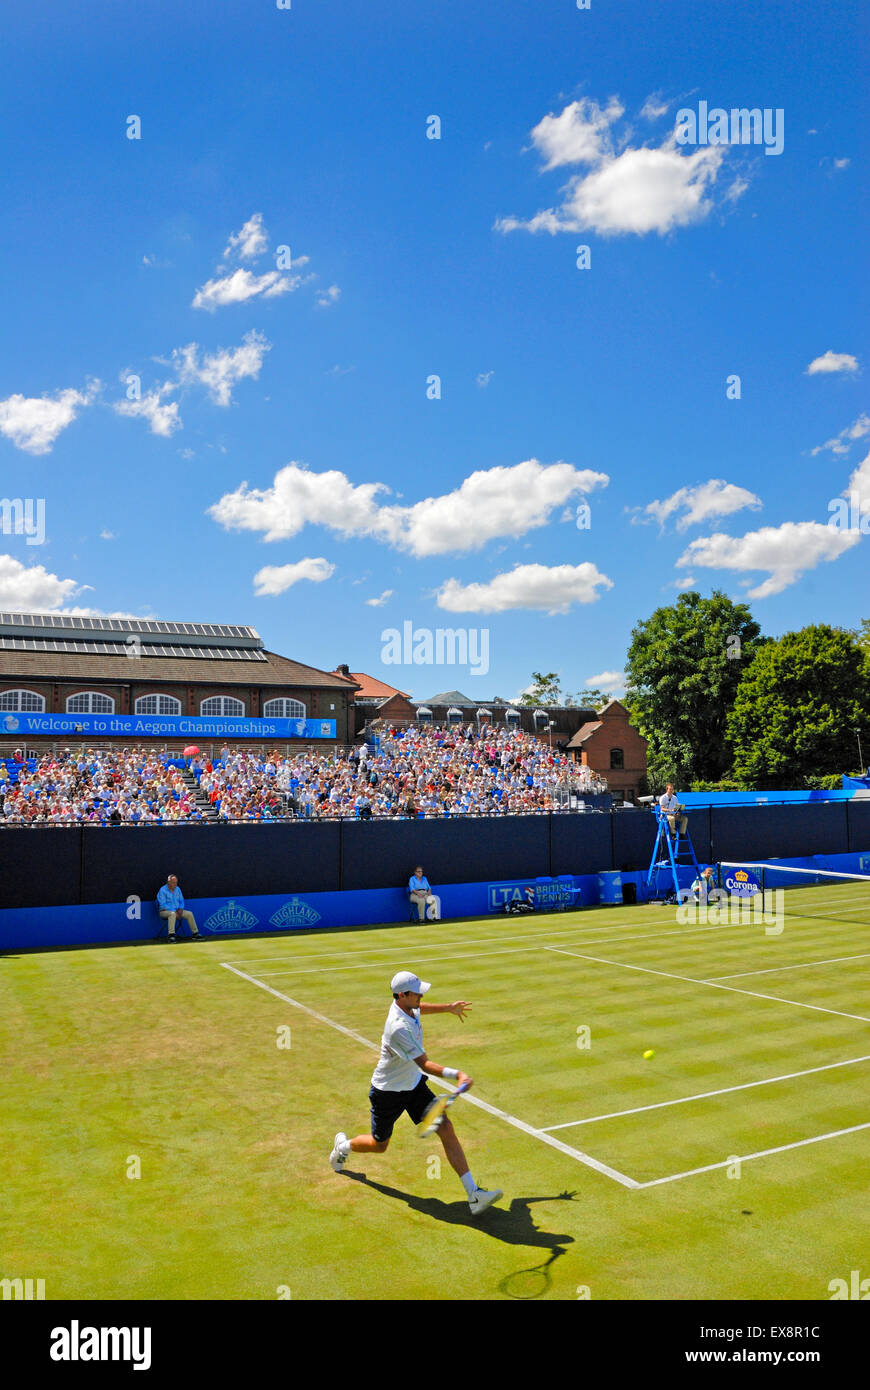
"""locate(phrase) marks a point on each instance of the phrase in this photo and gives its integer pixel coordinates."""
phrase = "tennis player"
(399, 1085)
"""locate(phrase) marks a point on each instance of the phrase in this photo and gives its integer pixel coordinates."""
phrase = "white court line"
(762, 1153)
(422, 957)
(378, 965)
(704, 1095)
(470, 1099)
(774, 969)
(689, 980)
(502, 938)
(473, 941)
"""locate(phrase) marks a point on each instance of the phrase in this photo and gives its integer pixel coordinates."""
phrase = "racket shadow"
(511, 1225)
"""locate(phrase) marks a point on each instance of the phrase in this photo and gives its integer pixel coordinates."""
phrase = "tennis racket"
(436, 1111)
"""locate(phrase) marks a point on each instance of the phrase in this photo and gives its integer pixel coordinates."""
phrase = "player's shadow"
(512, 1225)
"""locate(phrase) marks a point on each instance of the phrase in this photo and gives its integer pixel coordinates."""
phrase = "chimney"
(343, 671)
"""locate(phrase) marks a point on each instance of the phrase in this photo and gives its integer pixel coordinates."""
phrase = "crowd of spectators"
(128, 785)
(411, 773)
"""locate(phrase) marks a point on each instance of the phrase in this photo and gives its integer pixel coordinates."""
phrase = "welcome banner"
(136, 726)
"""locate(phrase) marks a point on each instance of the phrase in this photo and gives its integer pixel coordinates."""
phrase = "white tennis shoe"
(337, 1158)
(480, 1199)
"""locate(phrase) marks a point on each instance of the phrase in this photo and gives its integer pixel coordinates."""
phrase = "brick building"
(611, 747)
(375, 699)
(55, 664)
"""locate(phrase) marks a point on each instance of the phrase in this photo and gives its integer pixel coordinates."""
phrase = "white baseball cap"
(406, 981)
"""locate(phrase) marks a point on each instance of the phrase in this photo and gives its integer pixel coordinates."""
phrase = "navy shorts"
(387, 1106)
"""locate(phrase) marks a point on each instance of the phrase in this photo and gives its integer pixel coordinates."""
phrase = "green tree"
(587, 699)
(545, 690)
(797, 709)
(684, 666)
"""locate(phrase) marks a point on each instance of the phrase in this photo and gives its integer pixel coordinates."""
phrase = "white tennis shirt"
(401, 1042)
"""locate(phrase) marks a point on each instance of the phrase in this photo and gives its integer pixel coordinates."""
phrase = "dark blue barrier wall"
(858, 818)
(742, 833)
(50, 866)
(39, 868)
(207, 859)
(380, 854)
(581, 844)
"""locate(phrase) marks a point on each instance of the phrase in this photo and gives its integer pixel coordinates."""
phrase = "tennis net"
(817, 892)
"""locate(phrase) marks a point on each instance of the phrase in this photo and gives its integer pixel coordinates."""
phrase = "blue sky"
(261, 371)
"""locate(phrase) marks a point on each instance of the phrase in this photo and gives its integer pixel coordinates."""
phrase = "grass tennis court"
(620, 1175)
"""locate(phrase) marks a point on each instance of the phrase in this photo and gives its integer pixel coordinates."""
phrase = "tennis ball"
(649, 1054)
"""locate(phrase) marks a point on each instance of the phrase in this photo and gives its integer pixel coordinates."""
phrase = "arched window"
(284, 709)
(222, 706)
(24, 701)
(89, 702)
(157, 704)
(617, 757)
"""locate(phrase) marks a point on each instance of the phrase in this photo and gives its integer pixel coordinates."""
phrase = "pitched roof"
(585, 731)
(451, 697)
(95, 668)
(370, 688)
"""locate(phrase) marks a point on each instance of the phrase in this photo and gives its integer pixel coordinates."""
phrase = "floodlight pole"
(860, 754)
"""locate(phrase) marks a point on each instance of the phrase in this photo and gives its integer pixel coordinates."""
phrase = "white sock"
(468, 1183)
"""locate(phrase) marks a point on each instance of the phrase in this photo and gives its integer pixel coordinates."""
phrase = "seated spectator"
(170, 904)
(420, 893)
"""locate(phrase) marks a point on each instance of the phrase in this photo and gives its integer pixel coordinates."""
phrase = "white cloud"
(325, 298)
(860, 483)
(484, 378)
(32, 589)
(699, 503)
(108, 535)
(381, 600)
(275, 579)
(508, 501)
(785, 552)
(654, 107)
(842, 443)
(841, 163)
(495, 502)
(580, 134)
(241, 286)
(832, 362)
(250, 242)
(545, 589)
(32, 423)
(162, 418)
(220, 371)
(607, 680)
(299, 498)
(638, 191)
(687, 583)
